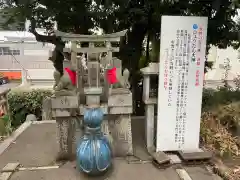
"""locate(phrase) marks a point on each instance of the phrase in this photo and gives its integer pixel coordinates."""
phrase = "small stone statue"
(63, 84)
(123, 80)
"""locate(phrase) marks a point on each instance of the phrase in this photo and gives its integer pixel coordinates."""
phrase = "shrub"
(229, 116)
(223, 96)
(5, 126)
(23, 102)
(216, 137)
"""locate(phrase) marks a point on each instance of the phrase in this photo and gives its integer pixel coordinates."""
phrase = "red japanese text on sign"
(166, 71)
(197, 78)
(198, 61)
(199, 47)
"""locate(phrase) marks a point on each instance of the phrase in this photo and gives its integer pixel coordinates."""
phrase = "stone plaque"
(120, 100)
(61, 113)
(65, 102)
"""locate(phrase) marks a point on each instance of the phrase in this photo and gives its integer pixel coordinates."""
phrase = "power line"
(20, 65)
(21, 41)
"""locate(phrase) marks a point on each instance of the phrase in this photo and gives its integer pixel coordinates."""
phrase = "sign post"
(182, 59)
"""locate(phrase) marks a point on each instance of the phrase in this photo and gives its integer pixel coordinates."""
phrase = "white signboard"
(182, 57)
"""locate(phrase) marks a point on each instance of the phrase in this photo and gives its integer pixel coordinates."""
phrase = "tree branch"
(59, 45)
(58, 54)
(42, 38)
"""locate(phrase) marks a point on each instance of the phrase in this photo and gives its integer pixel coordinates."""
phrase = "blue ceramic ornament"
(93, 117)
(93, 150)
(93, 154)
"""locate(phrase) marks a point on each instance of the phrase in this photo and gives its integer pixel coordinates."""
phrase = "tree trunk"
(58, 62)
(147, 50)
(130, 54)
(155, 49)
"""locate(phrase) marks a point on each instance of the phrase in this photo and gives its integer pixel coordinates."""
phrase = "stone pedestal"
(64, 111)
(93, 95)
(119, 121)
(121, 132)
(66, 137)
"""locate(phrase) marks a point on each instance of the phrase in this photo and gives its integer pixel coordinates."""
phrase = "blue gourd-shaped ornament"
(93, 150)
(93, 117)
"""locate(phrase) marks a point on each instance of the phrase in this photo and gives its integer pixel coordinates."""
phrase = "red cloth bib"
(72, 75)
(112, 76)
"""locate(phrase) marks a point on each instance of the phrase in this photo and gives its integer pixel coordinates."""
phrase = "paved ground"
(121, 171)
(37, 146)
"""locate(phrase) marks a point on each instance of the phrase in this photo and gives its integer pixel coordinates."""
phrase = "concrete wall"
(40, 74)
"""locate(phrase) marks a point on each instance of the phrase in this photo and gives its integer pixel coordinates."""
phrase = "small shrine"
(93, 93)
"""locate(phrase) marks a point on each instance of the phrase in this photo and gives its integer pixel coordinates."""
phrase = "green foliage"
(221, 121)
(22, 103)
(114, 15)
(142, 62)
(223, 96)
(9, 16)
(229, 116)
(5, 126)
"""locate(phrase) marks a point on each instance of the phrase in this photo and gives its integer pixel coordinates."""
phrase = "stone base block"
(119, 132)
(194, 155)
(116, 128)
(68, 134)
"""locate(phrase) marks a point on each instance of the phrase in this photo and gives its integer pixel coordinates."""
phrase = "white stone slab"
(174, 159)
(183, 174)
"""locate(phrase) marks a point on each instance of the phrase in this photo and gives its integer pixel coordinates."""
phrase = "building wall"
(25, 48)
(22, 56)
(25, 62)
(40, 74)
(219, 58)
(30, 57)
(39, 52)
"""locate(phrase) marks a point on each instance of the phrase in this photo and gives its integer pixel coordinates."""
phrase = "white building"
(222, 58)
(21, 53)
